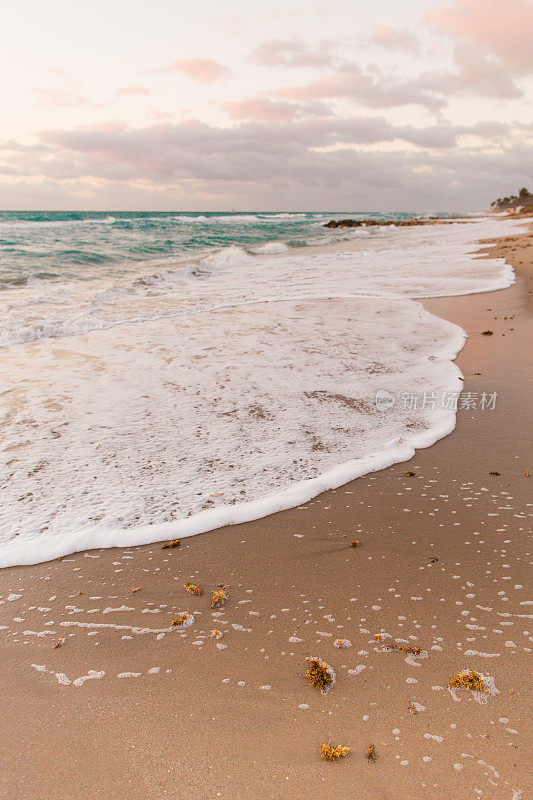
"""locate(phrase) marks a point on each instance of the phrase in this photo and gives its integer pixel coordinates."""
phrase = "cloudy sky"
(287, 104)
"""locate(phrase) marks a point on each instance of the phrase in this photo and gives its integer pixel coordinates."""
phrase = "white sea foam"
(63, 223)
(413, 262)
(224, 396)
(270, 247)
(234, 219)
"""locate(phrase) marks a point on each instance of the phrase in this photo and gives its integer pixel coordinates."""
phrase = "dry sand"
(129, 708)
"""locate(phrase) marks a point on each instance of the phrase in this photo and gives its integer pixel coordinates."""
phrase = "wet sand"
(129, 707)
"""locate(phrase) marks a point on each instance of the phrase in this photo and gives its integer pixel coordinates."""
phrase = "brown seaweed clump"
(60, 642)
(468, 680)
(172, 543)
(219, 597)
(415, 651)
(320, 674)
(400, 648)
(180, 621)
(332, 752)
(487, 333)
(371, 753)
(192, 588)
(410, 474)
(355, 543)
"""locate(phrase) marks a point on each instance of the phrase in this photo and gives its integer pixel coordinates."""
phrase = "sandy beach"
(129, 707)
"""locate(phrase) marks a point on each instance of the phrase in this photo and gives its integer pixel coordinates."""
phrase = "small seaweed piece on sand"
(495, 473)
(172, 543)
(342, 643)
(216, 633)
(332, 752)
(320, 674)
(410, 474)
(412, 708)
(371, 753)
(468, 680)
(137, 589)
(180, 621)
(487, 333)
(400, 648)
(355, 543)
(192, 588)
(219, 597)
(415, 651)
(60, 642)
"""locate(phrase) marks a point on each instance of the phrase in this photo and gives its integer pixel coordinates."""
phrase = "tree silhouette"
(524, 197)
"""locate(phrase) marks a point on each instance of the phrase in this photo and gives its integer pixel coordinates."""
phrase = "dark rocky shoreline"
(358, 223)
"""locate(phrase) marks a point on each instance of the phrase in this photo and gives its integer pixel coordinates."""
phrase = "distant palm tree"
(524, 197)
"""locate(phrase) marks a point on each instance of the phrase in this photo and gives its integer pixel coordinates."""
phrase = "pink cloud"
(367, 86)
(394, 39)
(503, 29)
(277, 161)
(266, 110)
(483, 75)
(267, 165)
(158, 115)
(203, 70)
(131, 90)
(292, 53)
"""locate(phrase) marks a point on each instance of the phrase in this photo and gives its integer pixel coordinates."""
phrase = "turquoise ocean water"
(70, 245)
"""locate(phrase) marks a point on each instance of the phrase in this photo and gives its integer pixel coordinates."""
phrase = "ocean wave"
(270, 247)
(415, 262)
(228, 256)
(232, 218)
(59, 223)
(264, 406)
(236, 219)
(14, 282)
(114, 244)
(180, 405)
(189, 218)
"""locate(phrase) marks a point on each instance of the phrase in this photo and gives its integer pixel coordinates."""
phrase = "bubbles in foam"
(217, 397)
(271, 247)
(152, 424)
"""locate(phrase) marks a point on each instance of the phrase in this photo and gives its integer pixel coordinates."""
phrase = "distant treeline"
(523, 198)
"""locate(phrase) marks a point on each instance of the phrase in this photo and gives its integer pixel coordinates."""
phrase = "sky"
(414, 105)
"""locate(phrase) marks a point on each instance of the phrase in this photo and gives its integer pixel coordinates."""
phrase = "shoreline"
(196, 732)
(17, 552)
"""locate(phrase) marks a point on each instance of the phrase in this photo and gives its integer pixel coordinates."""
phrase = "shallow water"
(145, 398)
